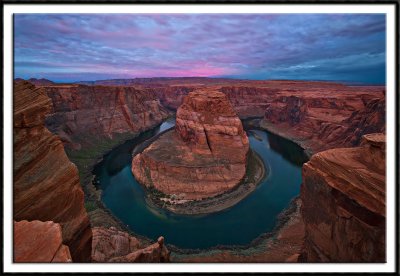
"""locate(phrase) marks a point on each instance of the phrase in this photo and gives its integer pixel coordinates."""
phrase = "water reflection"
(289, 150)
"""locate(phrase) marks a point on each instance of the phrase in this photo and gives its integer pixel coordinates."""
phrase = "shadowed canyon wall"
(46, 183)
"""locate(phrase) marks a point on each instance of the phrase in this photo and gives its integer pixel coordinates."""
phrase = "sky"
(78, 47)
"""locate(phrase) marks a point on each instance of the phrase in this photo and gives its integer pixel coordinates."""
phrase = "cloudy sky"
(74, 47)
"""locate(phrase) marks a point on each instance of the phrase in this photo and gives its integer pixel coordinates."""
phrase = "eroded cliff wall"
(46, 184)
(344, 207)
(83, 114)
(329, 119)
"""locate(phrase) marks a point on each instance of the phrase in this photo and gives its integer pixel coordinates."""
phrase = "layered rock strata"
(85, 112)
(111, 245)
(344, 209)
(46, 184)
(318, 122)
(204, 156)
(317, 115)
(39, 242)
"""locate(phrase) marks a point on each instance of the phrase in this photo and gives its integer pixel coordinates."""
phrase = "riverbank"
(303, 143)
(255, 173)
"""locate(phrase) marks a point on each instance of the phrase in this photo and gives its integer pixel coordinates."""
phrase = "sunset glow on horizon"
(85, 47)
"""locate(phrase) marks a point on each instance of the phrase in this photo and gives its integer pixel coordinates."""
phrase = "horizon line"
(208, 77)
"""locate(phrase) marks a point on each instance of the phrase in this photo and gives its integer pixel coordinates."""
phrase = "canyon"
(317, 115)
(205, 155)
(340, 214)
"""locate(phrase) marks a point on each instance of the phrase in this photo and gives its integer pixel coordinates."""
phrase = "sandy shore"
(283, 244)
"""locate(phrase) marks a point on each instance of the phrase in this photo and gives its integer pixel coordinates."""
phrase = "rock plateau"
(205, 155)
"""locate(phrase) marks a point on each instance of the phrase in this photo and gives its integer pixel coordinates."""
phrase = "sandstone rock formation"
(344, 209)
(83, 113)
(46, 184)
(207, 122)
(111, 245)
(204, 156)
(39, 242)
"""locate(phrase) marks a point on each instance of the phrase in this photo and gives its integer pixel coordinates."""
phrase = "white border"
(8, 144)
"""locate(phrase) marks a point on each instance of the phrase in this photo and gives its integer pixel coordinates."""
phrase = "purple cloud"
(72, 47)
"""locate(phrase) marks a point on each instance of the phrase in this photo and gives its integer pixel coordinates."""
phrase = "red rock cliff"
(204, 156)
(101, 111)
(320, 120)
(39, 242)
(343, 195)
(46, 183)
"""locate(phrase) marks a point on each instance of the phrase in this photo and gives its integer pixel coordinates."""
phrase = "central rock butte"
(206, 154)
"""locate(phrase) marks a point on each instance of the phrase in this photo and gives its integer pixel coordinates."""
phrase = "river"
(238, 225)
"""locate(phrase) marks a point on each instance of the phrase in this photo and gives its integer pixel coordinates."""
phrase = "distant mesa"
(205, 156)
(37, 82)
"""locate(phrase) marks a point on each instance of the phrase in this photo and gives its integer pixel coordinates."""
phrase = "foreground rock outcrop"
(111, 245)
(204, 156)
(344, 207)
(39, 242)
(46, 184)
(86, 113)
